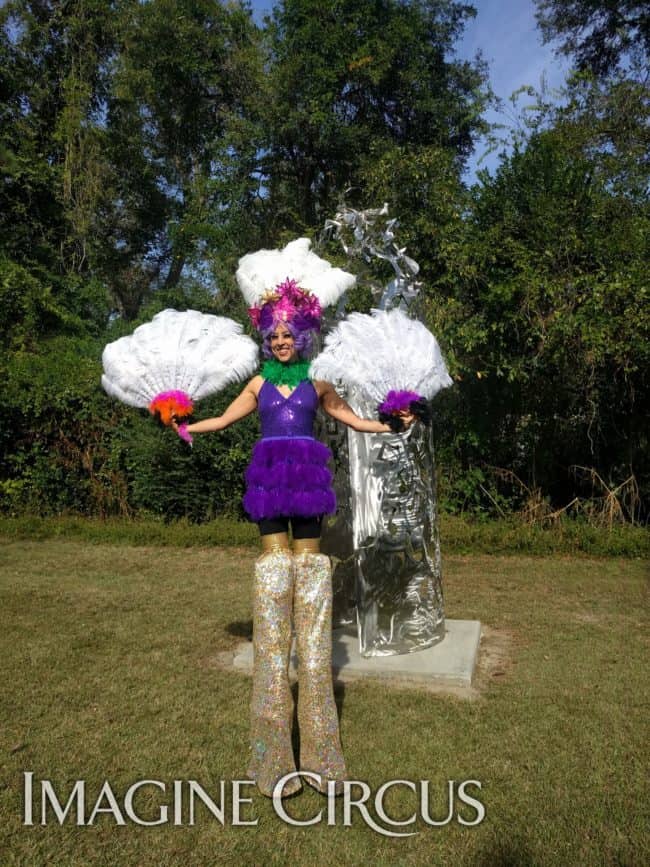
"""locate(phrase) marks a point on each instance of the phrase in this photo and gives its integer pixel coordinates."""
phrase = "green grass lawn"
(109, 668)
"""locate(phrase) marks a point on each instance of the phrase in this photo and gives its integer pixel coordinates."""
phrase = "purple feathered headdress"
(289, 305)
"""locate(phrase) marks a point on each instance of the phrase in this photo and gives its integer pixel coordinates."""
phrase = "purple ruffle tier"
(289, 476)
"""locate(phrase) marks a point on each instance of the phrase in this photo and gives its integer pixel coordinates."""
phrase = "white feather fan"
(190, 352)
(381, 352)
(262, 271)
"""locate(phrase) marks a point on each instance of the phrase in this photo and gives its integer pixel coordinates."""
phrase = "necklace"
(285, 374)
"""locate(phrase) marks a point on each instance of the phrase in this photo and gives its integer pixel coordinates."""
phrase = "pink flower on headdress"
(290, 289)
(285, 309)
(287, 303)
(311, 306)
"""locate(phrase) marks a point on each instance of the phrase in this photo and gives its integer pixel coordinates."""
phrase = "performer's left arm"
(335, 406)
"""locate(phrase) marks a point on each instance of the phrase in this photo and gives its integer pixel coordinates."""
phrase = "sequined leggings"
(293, 586)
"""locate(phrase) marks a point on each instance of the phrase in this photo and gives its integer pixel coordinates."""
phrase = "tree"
(601, 35)
(350, 77)
(130, 139)
(544, 303)
(128, 152)
(51, 165)
(182, 141)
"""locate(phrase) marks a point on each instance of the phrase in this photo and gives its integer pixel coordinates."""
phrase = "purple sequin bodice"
(291, 416)
(288, 474)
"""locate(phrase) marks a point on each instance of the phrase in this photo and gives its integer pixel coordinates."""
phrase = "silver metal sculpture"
(384, 542)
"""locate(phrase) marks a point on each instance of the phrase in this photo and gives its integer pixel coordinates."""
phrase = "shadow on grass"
(241, 629)
(506, 853)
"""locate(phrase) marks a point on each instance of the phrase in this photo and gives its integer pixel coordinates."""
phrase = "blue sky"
(506, 34)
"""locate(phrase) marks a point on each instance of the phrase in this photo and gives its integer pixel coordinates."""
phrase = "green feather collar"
(285, 374)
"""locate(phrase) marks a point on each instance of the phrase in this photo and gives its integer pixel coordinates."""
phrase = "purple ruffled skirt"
(289, 476)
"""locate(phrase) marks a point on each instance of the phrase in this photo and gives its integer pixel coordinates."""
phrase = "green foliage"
(145, 146)
(69, 448)
(167, 478)
(35, 305)
(423, 189)
(129, 135)
(534, 282)
(56, 430)
(182, 140)
(347, 78)
(600, 35)
(543, 308)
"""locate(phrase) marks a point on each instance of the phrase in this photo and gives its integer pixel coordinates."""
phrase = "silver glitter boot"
(272, 703)
(320, 743)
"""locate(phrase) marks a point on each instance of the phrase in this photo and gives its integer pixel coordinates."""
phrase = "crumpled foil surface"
(384, 540)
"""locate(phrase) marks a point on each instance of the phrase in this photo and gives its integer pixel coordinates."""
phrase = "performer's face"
(283, 346)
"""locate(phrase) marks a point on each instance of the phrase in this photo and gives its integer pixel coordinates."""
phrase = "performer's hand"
(181, 429)
(398, 422)
(407, 417)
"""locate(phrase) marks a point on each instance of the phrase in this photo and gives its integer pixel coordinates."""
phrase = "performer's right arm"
(243, 405)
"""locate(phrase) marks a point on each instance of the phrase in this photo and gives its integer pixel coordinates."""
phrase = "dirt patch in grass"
(495, 657)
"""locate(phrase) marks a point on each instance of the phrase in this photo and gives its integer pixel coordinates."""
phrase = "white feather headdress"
(262, 271)
(381, 352)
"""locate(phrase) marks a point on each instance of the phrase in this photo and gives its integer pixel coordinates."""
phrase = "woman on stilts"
(289, 486)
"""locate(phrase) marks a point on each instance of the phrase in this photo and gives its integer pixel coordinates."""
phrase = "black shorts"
(301, 528)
